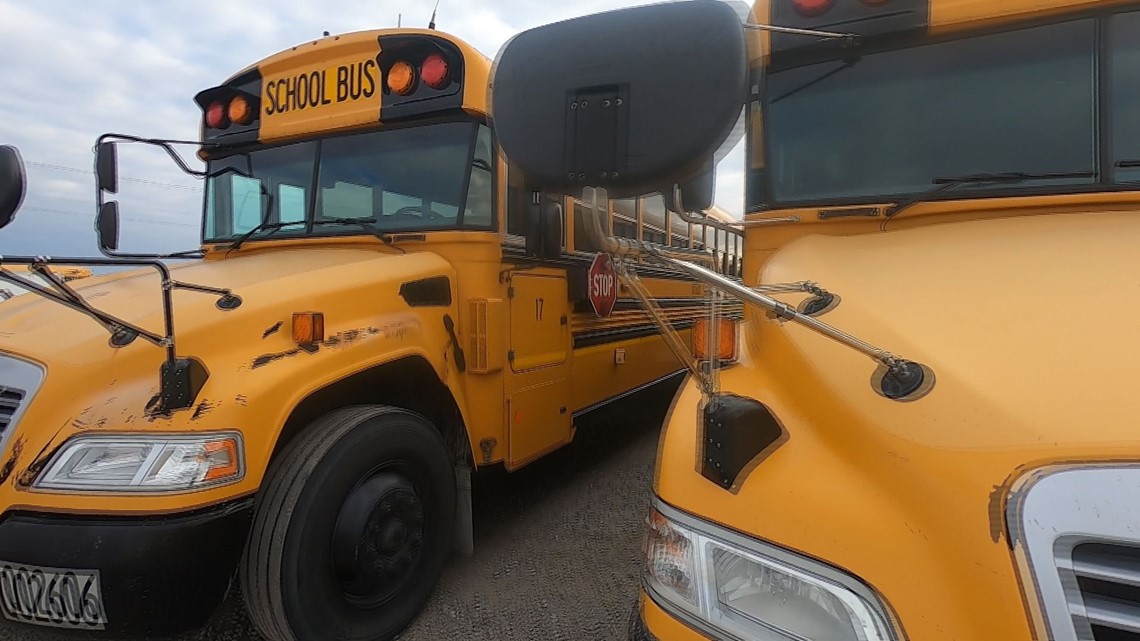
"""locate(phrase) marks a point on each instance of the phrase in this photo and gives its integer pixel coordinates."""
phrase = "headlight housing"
(741, 588)
(150, 463)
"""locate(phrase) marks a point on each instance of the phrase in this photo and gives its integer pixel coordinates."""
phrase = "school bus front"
(368, 320)
(961, 175)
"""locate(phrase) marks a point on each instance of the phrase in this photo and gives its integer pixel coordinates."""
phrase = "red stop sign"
(602, 285)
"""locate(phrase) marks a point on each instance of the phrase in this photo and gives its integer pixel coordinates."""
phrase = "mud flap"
(464, 521)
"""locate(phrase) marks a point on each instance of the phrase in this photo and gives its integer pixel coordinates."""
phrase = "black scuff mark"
(79, 424)
(242, 399)
(340, 339)
(350, 336)
(10, 464)
(28, 476)
(203, 408)
(272, 330)
(154, 409)
(265, 359)
(996, 511)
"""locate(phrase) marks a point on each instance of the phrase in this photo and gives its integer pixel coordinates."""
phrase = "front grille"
(10, 400)
(1108, 581)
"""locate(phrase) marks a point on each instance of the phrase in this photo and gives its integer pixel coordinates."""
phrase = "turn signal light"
(401, 78)
(726, 340)
(216, 115)
(240, 111)
(813, 8)
(308, 327)
(435, 72)
(223, 458)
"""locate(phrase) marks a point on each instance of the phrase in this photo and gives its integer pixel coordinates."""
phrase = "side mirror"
(13, 183)
(106, 167)
(696, 193)
(597, 101)
(544, 230)
(107, 226)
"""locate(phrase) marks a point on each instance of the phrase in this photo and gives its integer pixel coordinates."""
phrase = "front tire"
(353, 526)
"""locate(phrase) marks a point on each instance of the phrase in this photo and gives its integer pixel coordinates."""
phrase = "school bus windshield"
(428, 177)
(887, 122)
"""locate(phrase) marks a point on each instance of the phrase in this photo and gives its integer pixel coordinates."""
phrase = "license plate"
(52, 596)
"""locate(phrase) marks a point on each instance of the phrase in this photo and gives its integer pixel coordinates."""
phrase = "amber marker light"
(726, 340)
(223, 460)
(240, 111)
(308, 327)
(402, 78)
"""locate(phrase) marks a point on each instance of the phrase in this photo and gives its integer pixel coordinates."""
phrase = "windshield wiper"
(367, 224)
(945, 183)
(262, 226)
(363, 223)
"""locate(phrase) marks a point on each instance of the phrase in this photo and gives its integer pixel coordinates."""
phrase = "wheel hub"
(377, 538)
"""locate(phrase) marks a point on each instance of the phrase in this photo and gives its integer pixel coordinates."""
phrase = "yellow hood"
(272, 284)
(1029, 325)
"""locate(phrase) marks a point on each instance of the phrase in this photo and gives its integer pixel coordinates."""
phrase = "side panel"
(538, 405)
(539, 322)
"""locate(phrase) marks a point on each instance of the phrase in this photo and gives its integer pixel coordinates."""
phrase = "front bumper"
(158, 575)
(650, 623)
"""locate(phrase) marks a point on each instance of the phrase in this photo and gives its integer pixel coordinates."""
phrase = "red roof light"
(813, 8)
(216, 115)
(435, 72)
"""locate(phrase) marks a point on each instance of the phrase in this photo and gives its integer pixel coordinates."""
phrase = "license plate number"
(52, 596)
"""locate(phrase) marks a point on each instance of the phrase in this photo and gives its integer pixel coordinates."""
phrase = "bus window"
(292, 204)
(348, 200)
(1125, 87)
(234, 197)
(965, 106)
(581, 239)
(247, 202)
(480, 194)
(517, 199)
(416, 175)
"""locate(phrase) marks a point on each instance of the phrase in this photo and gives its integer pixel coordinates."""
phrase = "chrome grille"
(10, 400)
(1077, 527)
(1108, 581)
(19, 382)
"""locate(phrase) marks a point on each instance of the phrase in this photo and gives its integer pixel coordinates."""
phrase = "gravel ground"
(556, 543)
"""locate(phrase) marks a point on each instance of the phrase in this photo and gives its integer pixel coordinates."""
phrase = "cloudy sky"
(70, 71)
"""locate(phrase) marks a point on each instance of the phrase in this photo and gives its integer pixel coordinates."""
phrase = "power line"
(197, 206)
(145, 221)
(144, 181)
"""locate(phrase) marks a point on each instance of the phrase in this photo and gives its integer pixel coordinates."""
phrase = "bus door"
(538, 399)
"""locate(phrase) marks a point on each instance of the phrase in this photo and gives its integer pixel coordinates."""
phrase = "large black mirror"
(107, 226)
(696, 194)
(13, 183)
(106, 167)
(633, 100)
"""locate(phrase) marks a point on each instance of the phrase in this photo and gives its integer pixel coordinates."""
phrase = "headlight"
(150, 463)
(743, 589)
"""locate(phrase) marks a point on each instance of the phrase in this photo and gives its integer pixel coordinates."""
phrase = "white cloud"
(72, 71)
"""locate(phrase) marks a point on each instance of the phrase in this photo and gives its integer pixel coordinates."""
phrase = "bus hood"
(1029, 326)
(1028, 323)
(271, 283)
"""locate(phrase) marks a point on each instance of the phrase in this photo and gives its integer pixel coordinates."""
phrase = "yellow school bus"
(952, 173)
(380, 304)
(943, 447)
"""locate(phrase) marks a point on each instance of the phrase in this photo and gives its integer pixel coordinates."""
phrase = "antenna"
(431, 25)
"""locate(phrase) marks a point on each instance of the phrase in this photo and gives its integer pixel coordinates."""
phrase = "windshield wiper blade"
(367, 224)
(264, 226)
(949, 182)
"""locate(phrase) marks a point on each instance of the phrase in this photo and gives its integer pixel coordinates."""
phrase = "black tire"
(354, 522)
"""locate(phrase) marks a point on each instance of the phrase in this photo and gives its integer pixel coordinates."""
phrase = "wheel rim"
(377, 538)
